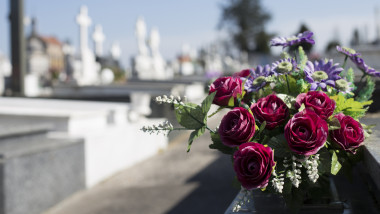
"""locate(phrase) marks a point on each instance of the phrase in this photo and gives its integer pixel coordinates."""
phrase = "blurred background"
(78, 78)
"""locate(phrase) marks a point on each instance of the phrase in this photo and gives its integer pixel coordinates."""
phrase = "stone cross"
(84, 22)
(140, 32)
(98, 37)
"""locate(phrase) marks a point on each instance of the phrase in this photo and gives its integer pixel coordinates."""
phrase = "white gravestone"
(5, 71)
(158, 63)
(115, 51)
(142, 60)
(89, 68)
(98, 37)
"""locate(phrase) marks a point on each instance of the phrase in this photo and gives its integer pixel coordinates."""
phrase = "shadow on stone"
(215, 191)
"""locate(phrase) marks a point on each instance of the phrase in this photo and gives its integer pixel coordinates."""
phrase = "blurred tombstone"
(89, 67)
(5, 71)
(107, 76)
(140, 106)
(98, 37)
(115, 51)
(142, 62)
(158, 63)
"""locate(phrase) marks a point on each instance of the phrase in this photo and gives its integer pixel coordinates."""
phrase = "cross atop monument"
(98, 37)
(84, 22)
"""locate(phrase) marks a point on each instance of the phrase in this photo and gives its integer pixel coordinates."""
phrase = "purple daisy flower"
(293, 40)
(322, 73)
(347, 51)
(256, 80)
(283, 66)
(343, 86)
(359, 62)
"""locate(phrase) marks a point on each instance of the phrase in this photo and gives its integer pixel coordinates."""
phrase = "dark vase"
(266, 203)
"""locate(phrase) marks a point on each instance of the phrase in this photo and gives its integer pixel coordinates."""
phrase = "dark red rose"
(306, 132)
(243, 73)
(270, 109)
(317, 101)
(237, 127)
(350, 135)
(225, 87)
(253, 164)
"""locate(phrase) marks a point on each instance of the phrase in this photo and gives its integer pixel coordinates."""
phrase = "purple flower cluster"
(321, 74)
(293, 40)
(358, 61)
(256, 80)
(283, 66)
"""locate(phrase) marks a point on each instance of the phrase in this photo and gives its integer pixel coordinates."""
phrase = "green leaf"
(288, 100)
(284, 55)
(262, 126)
(324, 165)
(301, 108)
(206, 104)
(280, 146)
(217, 144)
(350, 106)
(190, 116)
(335, 165)
(350, 75)
(231, 102)
(302, 86)
(333, 123)
(195, 134)
(303, 58)
(366, 92)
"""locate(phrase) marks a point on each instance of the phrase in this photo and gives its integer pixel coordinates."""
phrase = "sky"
(190, 22)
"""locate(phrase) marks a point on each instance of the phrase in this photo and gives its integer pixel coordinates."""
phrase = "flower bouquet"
(290, 125)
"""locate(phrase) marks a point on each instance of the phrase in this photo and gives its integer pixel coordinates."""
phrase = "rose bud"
(225, 87)
(243, 73)
(270, 109)
(237, 127)
(306, 132)
(253, 164)
(318, 101)
(350, 135)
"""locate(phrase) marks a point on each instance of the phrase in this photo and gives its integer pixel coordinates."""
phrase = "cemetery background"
(65, 150)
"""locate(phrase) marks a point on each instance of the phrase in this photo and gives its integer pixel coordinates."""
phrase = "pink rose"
(270, 109)
(237, 127)
(253, 164)
(306, 132)
(318, 101)
(225, 87)
(350, 135)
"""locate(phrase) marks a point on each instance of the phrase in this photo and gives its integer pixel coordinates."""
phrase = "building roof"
(51, 40)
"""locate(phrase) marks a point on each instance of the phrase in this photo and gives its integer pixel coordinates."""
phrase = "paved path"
(171, 182)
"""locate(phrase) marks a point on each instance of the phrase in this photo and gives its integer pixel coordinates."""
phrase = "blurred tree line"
(245, 21)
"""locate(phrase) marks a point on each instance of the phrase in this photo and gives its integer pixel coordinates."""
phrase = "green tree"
(245, 20)
(332, 45)
(355, 38)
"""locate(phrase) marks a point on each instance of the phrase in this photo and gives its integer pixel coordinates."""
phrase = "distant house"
(45, 57)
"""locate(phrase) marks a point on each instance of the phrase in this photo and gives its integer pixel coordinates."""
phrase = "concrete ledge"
(36, 175)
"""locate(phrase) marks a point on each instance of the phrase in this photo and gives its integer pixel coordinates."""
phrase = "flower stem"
(344, 62)
(287, 82)
(361, 85)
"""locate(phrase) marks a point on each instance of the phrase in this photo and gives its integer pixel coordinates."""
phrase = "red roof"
(51, 40)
